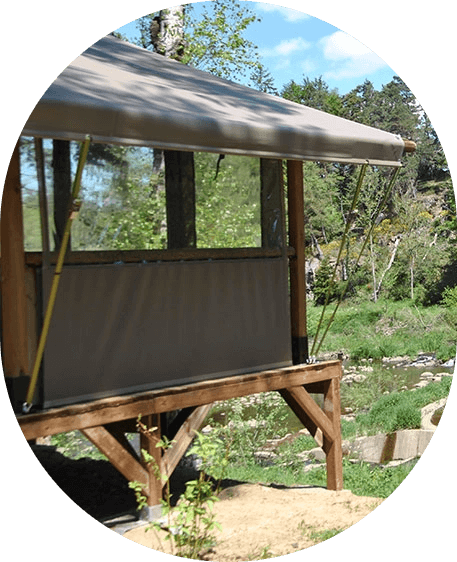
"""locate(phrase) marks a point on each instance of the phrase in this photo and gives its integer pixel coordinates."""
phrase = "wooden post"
(148, 443)
(297, 264)
(14, 299)
(333, 449)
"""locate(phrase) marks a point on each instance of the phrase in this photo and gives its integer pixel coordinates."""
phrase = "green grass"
(401, 410)
(398, 410)
(386, 329)
(361, 478)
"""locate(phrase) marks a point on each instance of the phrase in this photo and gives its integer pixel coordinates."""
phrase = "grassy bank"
(281, 461)
(387, 329)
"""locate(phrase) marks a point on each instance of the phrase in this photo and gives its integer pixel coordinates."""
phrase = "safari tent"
(153, 331)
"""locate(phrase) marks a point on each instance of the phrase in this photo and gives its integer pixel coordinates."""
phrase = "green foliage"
(450, 297)
(227, 206)
(215, 41)
(401, 410)
(191, 523)
(365, 329)
(248, 427)
(449, 300)
(374, 481)
(314, 93)
(318, 536)
(324, 289)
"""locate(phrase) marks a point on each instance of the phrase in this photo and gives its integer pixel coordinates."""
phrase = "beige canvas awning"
(122, 94)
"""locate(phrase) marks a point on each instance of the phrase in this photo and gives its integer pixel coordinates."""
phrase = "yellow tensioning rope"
(55, 282)
(373, 223)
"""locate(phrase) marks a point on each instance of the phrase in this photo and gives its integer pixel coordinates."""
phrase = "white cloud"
(308, 66)
(348, 57)
(286, 47)
(289, 15)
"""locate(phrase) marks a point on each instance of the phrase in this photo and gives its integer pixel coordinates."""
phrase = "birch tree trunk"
(167, 33)
(391, 261)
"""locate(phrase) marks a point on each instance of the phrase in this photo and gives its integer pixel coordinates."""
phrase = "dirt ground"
(263, 521)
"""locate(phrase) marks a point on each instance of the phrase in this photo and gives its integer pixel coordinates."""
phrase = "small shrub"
(191, 523)
(407, 417)
(449, 299)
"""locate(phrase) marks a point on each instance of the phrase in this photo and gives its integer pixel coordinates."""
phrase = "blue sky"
(293, 44)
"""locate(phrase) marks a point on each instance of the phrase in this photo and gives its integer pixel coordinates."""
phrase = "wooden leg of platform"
(183, 438)
(328, 420)
(333, 449)
(118, 455)
(148, 442)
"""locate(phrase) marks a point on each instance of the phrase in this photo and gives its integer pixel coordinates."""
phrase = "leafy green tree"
(324, 289)
(314, 93)
(228, 206)
(214, 41)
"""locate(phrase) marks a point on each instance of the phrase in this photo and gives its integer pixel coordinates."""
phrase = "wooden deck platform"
(104, 421)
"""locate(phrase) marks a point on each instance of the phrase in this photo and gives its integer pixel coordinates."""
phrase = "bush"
(401, 410)
(407, 417)
(449, 299)
(323, 285)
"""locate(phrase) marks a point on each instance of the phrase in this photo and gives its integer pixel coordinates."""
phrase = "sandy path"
(256, 517)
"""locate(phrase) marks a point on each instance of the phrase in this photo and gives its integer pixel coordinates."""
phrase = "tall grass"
(386, 329)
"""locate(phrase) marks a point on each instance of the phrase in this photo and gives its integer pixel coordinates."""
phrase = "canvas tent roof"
(121, 94)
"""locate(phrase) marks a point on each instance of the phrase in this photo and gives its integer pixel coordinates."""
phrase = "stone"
(351, 378)
(427, 414)
(411, 443)
(450, 363)
(421, 384)
(317, 453)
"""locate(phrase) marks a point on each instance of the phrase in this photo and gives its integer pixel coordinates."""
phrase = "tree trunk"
(411, 269)
(167, 38)
(167, 33)
(61, 165)
(373, 270)
(391, 261)
(180, 199)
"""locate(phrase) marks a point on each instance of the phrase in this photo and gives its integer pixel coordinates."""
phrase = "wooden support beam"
(183, 438)
(117, 454)
(136, 256)
(410, 146)
(332, 447)
(148, 442)
(297, 264)
(118, 408)
(328, 420)
(297, 409)
(311, 410)
(14, 299)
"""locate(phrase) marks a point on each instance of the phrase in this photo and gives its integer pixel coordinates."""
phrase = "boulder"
(449, 363)
(353, 377)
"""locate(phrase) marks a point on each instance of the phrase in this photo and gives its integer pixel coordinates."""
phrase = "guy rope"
(316, 342)
(73, 212)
